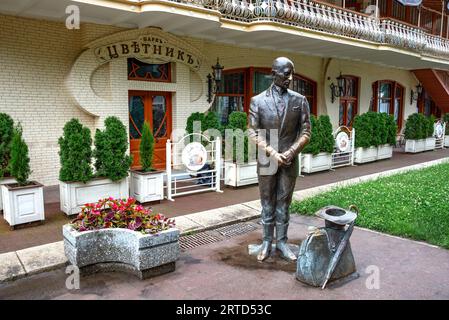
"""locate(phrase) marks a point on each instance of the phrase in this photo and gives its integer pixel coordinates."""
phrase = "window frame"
(392, 99)
(169, 75)
(346, 99)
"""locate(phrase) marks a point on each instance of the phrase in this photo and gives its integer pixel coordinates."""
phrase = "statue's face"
(283, 75)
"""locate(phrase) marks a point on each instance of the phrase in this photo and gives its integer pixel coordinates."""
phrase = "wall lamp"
(414, 96)
(339, 89)
(214, 80)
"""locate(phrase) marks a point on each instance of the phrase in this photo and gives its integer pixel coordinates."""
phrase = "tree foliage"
(146, 148)
(20, 161)
(6, 134)
(111, 145)
(75, 152)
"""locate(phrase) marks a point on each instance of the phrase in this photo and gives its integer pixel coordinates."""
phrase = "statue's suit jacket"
(294, 123)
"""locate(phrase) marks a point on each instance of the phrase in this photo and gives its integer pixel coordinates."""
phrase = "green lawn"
(413, 204)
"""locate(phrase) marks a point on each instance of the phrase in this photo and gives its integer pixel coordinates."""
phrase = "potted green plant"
(367, 137)
(446, 122)
(415, 133)
(147, 184)
(317, 155)
(6, 134)
(120, 235)
(387, 138)
(239, 170)
(78, 185)
(23, 201)
(430, 131)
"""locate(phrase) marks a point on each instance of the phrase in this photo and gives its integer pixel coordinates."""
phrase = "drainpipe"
(377, 9)
(419, 17)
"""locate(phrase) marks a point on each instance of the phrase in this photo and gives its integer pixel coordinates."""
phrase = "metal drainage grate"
(236, 229)
(196, 240)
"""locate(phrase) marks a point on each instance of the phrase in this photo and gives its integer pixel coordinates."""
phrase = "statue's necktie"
(280, 103)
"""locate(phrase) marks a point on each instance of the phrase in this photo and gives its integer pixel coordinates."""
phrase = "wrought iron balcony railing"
(313, 15)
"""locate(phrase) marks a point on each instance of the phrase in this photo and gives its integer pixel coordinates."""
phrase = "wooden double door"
(155, 108)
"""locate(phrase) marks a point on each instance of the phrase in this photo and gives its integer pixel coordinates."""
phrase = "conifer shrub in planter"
(147, 184)
(238, 170)
(416, 129)
(6, 134)
(120, 235)
(387, 136)
(446, 137)
(23, 201)
(367, 137)
(78, 185)
(430, 138)
(317, 155)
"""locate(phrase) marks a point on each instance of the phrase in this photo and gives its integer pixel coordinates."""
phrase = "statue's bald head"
(280, 63)
(282, 71)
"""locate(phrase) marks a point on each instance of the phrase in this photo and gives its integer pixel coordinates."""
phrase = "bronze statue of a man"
(279, 124)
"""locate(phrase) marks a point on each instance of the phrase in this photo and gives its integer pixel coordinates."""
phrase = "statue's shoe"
(265, 250)
(286, 252)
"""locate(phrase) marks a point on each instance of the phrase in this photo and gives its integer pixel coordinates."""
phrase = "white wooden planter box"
(430, 144)
(23, 204)
(384, 151)
(147, 186)
(415, 146)
(5, 181)
(363, 155)
(446, 140)
(73, 195)
(322, 161)
(237, 175)
(117, 249)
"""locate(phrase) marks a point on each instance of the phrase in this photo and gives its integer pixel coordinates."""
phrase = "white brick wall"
(37, 56)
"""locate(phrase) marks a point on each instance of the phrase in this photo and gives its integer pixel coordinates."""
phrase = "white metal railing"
(344, 156)
(184, 182)
(308, 14)
(439, 141)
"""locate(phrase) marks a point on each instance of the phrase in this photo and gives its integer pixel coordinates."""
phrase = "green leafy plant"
(392, 129)
(146, 148)
(313, 147)
(416, 127)
(238, 121)
(195, 117)
(75, 152)
(111, 145)
(19, 164)
(430, 126)
(364, 129)
(327, 137)
(6, 134)
(120, 213)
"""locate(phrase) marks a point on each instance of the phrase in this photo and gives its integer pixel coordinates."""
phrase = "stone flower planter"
(237, 175)
(23, 204)
(2, 182)
(73, 195)
(147, 186)
(363, 155)
(430, 144)
(320, 162)
(118, 249)
(384, 151)
(446, 140)
(415, 146)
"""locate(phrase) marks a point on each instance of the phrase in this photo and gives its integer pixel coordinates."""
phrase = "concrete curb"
(34, 260)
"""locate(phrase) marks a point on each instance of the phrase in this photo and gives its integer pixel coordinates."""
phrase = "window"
(138, 70)
(349, 101)
(240, 85)
(389, 98)
(427, 106)
(398, 11)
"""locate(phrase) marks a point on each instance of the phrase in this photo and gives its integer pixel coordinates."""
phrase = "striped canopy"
(414, 3)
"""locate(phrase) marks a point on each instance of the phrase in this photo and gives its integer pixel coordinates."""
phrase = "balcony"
(309, 27)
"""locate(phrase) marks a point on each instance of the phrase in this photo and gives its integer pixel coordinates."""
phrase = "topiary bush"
(392, 129)
(6, 135)
(75, 152)
(430, 122)
(313, 147)
(111, 145)
(363, 131)
(381, 128)
(19, 163)
(146, 148)
(238, 121)
(326, 133)
(195, 117)
(416, 127)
